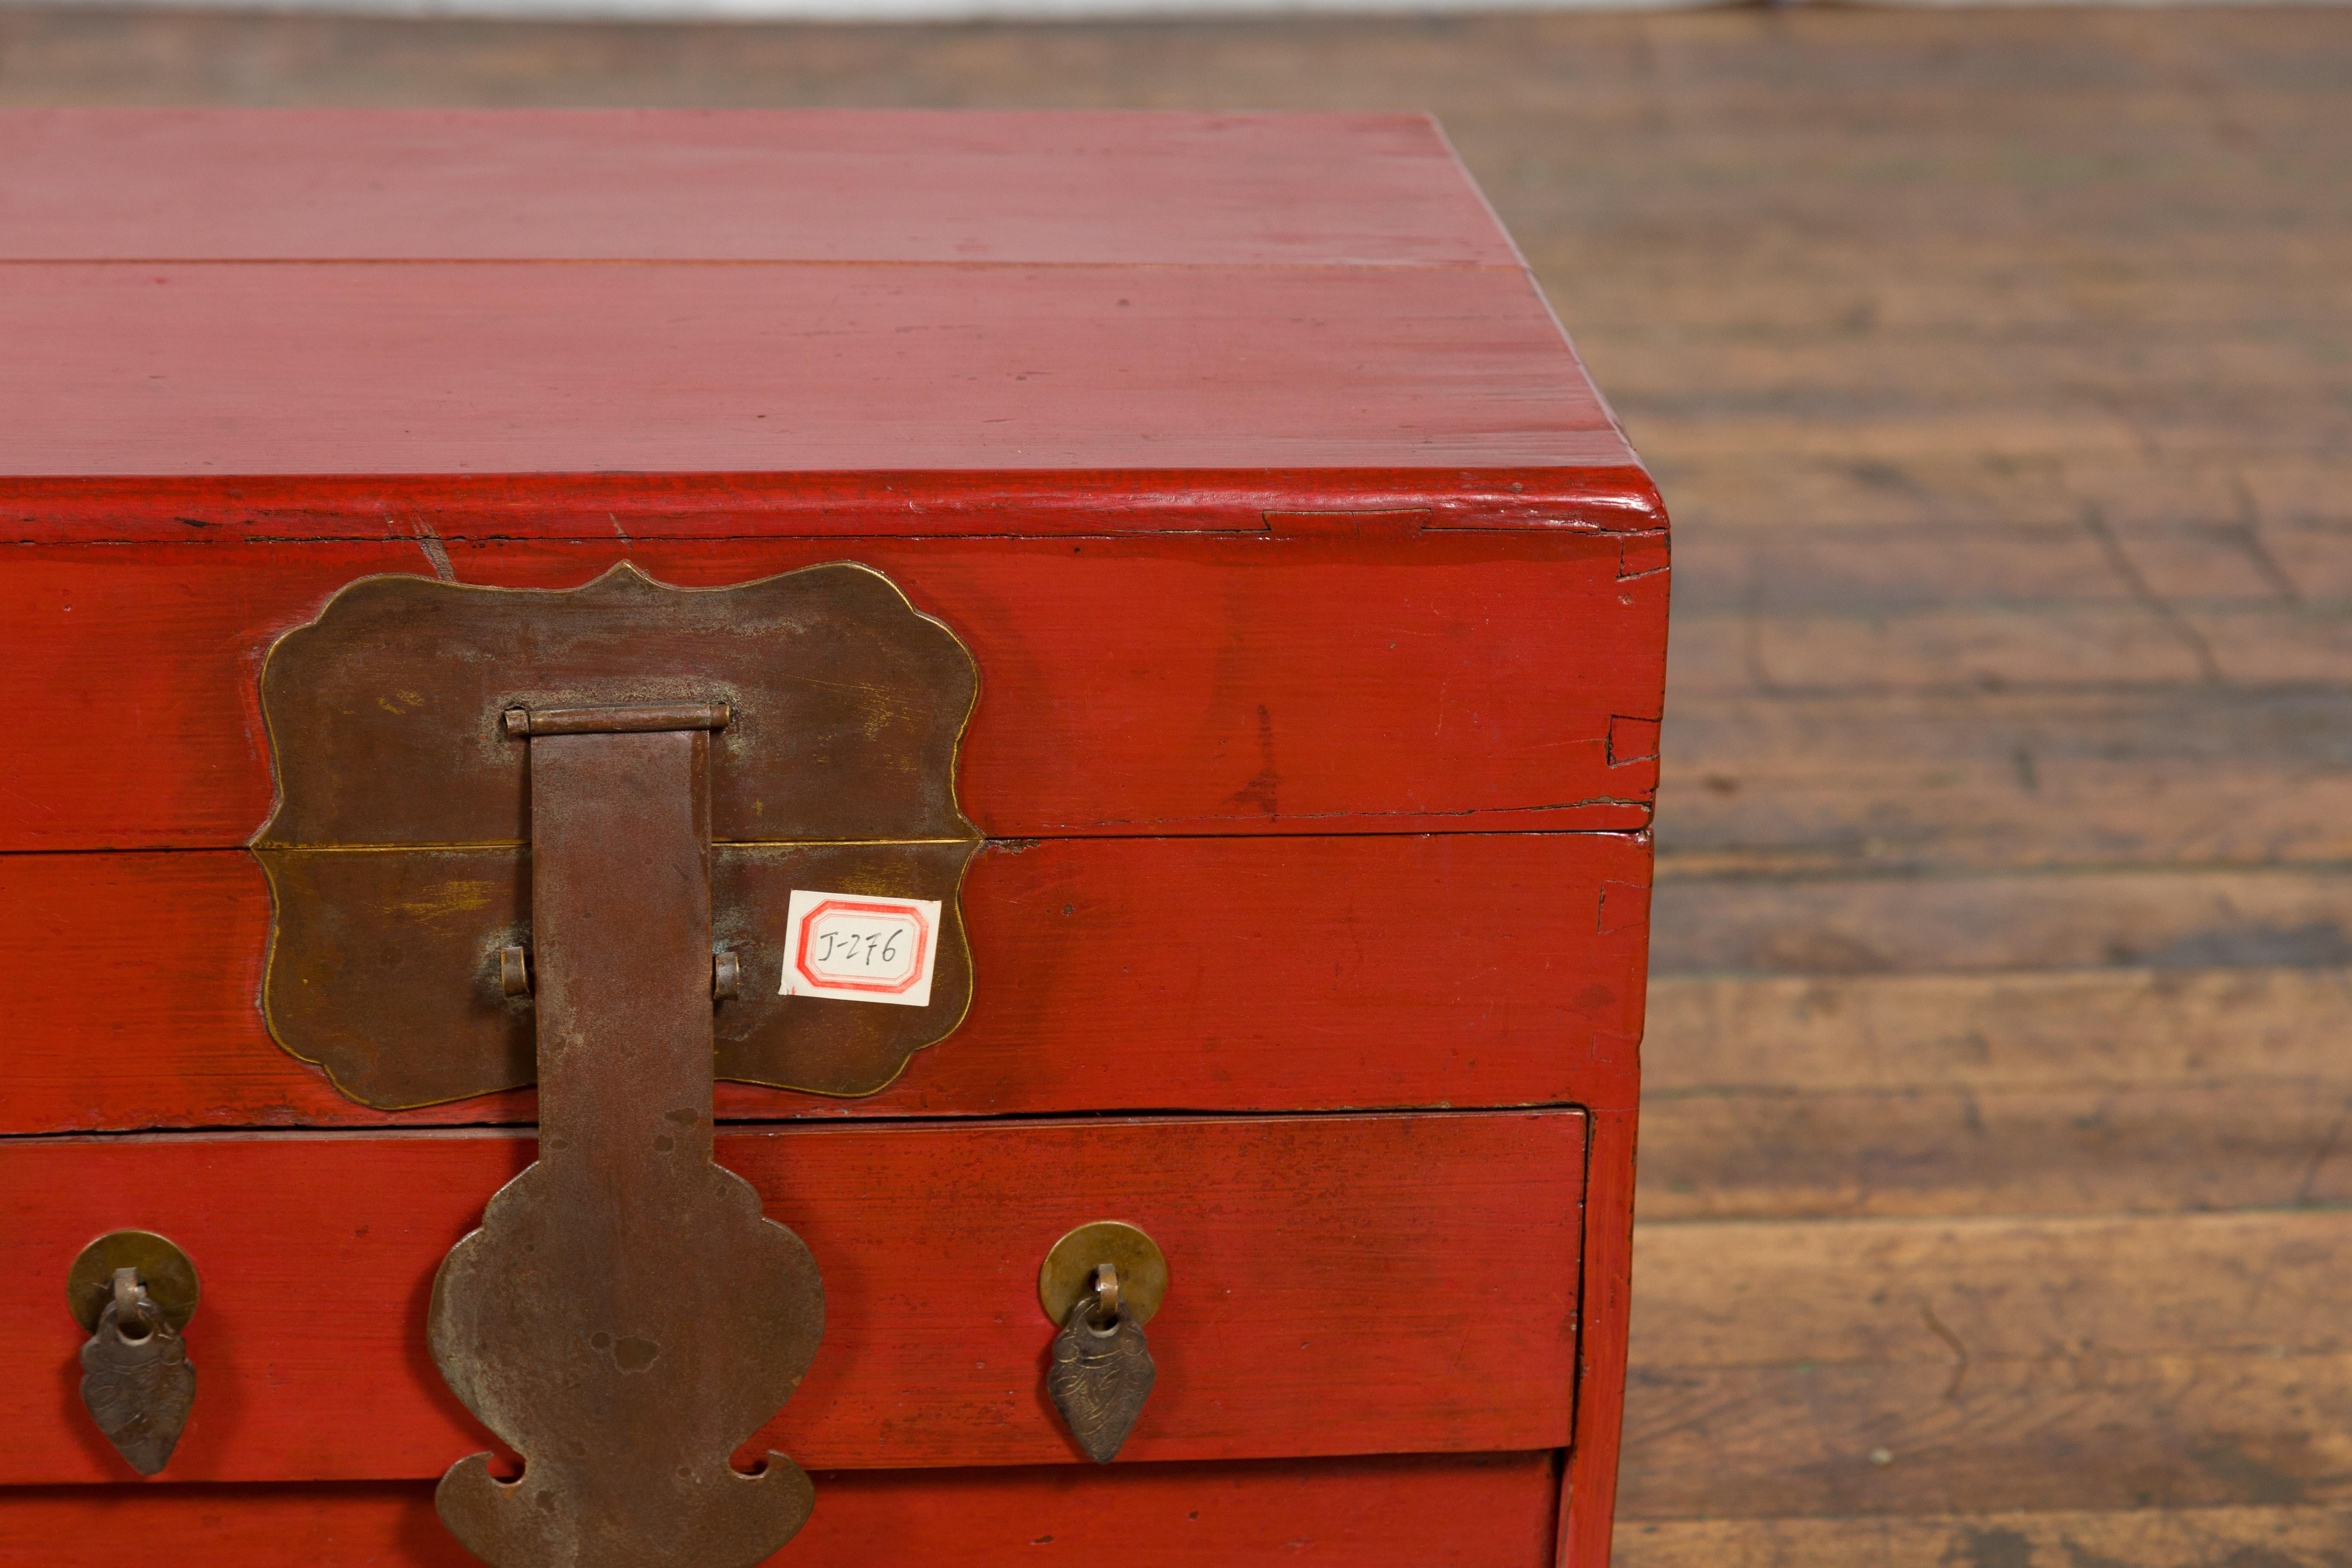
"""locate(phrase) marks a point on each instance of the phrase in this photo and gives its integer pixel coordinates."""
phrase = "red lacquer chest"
(992, 771)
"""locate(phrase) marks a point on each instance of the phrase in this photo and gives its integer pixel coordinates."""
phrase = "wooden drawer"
(1296, 678)
(1116, 975)
(1474, 1511)
(1341, 1284)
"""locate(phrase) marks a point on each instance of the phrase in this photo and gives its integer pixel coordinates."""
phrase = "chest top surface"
(1228, 315)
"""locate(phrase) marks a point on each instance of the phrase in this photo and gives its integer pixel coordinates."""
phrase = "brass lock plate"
(398, 854)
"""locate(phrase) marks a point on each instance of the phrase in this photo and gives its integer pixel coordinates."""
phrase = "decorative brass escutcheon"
(574, 822)
(398, 856)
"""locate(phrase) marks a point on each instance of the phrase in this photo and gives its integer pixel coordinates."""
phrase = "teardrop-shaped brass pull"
(1102, 1370)
(134, 1291)
(1101, 1282)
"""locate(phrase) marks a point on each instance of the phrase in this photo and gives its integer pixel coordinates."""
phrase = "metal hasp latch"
(685, 762)
(625, 1317)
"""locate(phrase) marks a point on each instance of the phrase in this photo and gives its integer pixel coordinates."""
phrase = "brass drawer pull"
(134, 1291)
(1102, 1372)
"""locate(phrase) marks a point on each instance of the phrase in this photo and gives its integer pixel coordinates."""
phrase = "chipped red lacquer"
(1319, 601)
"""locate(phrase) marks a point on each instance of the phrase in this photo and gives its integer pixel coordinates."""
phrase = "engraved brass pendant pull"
(625, 1317)
(1102, 1370)
(136, 1381)
(1101, 1283)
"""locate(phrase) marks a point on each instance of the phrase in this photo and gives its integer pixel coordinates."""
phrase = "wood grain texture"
(928, 1238)
(770, 369)
(1322, 682)
(1998, 829)
(2068, 646)
(1956, 1150)
(1993, 1357)
(2202, 774)
(2049, 1093)
(1602, 497)
(2052, 1434)
(1113, 975)
(1967, 1293)
(1807, 568)
(1229, 190)
(2308, 1537)
(1473, 1511)
(910, 299)
(2070, 918)
(1928, 490)
(2056, 1092)
(2067, 1029)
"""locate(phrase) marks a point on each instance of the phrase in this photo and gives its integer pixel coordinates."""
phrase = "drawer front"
(1273, 683)
(1340, 1285)
(1478, 1511)
(1470, 969)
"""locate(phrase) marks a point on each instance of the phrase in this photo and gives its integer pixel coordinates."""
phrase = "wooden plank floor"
(1998, 366)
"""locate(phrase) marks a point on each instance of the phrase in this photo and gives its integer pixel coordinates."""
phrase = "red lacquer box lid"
(911, 321)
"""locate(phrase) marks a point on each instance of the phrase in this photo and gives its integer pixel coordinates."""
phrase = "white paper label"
(858, 947)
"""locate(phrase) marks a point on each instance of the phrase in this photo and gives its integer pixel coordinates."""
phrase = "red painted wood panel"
(961, 186)
(1479, 1510)
(1113, 975)
(339, 368)
(1341, 1284)
(1589, 1482)
(1298, 683)
(1610, 495)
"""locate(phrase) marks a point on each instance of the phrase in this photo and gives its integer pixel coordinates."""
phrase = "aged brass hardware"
(625, 1317)
(1068, 1270)
(402, 933)
(134, 1291)
(1101, 1283)
(1102, 1370)
(514, 974)
(638, 719)
(525, 837)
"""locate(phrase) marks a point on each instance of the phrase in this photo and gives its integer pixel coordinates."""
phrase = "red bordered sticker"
(858, 947)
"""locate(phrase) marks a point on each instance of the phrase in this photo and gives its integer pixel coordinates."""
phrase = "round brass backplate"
(164, 1269)
(1143, 1268)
